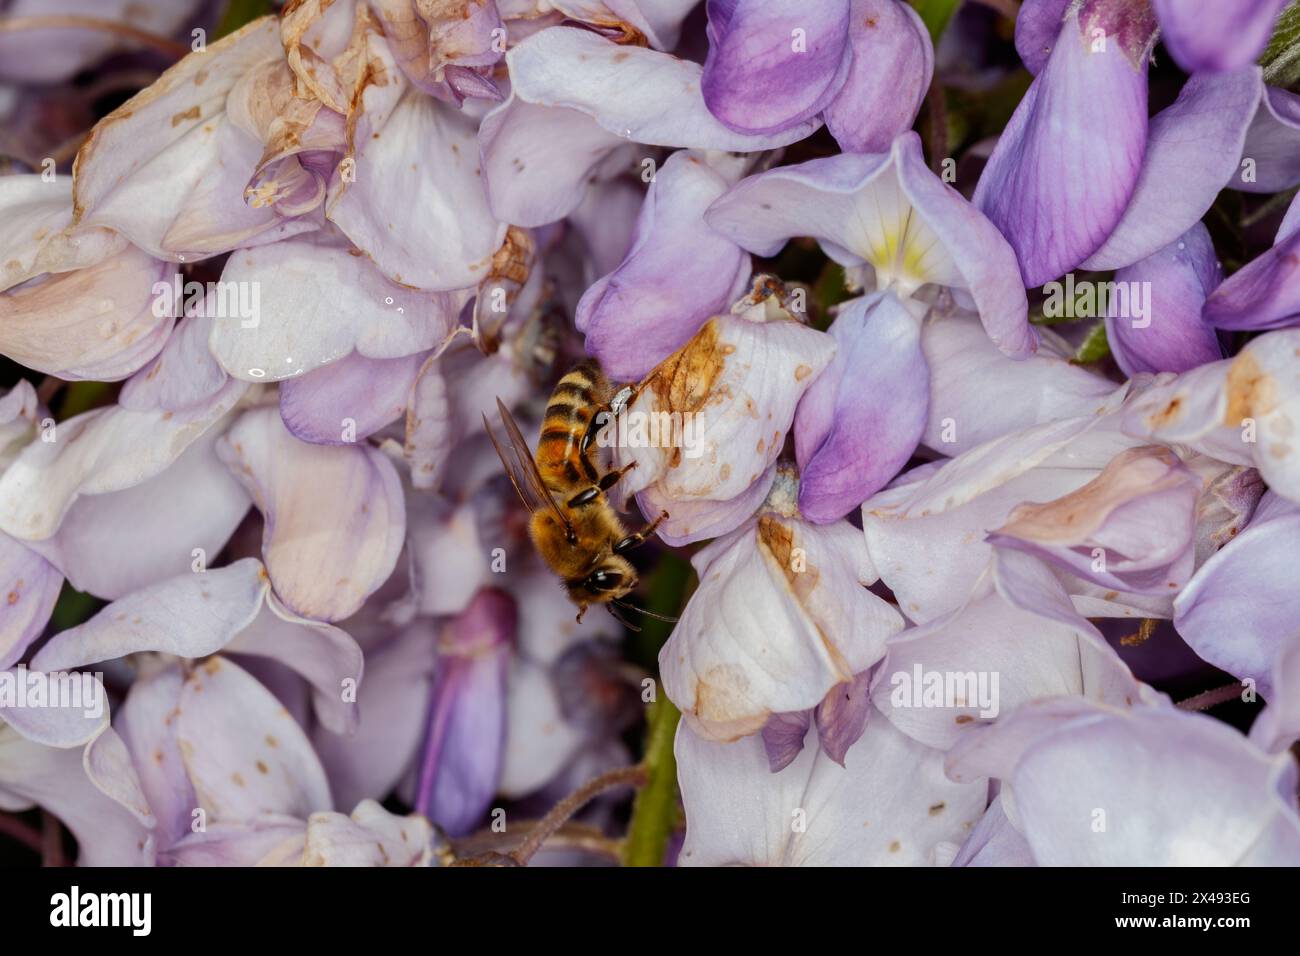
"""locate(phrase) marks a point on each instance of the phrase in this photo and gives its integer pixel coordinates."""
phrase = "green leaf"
(240, 12)
(1095, 347)
(73, 607)
(829, 291)
(1281, 59)
(83, 396)
(935, 14)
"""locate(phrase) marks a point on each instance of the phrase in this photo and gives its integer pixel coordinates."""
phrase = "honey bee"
(573, 525)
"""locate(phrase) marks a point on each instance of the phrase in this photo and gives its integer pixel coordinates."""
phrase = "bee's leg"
(633, 540)
(591, 492)
(604, 415)
(611, 478)
(609, 411)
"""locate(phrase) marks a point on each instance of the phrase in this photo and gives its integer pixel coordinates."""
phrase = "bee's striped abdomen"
(576, 399)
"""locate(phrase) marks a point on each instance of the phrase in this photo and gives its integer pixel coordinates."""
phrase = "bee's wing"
(521, 468)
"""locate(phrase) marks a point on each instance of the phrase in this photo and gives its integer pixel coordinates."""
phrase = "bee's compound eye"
(604, 580)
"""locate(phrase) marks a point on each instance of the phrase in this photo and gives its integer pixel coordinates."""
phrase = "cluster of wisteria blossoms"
(978, 324)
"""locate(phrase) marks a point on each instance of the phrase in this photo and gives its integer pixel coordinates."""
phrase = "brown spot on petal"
(802, 372)
(511, 261)
(1251, 391)
(684, 382)
(1166, 415)
(189, 114)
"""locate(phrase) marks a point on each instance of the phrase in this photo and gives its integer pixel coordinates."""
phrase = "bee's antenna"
(640, 610)
(620, 618)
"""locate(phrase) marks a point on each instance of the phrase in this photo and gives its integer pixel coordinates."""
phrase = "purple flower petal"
(892, 64)
(141, 174)
(107, 833)
(1265, 292)
(1066, 166)
(1177, 789)
(326, 656)
(1278, 727)
(318, 300)
(29, 586)
(1216, 35)
(1131, 528)
(575, 99)
(977, 393)
(842, 716)
(147, 726)
(1170, 336)
(774, 63)
(892, 213)
(1241, 410)
(106, 326)
(112, 544)
(370, 836)
(677, 275)
(1193, 149)
(863, 417)
(190, 615)
(994, 841)
(1270, 159)
(698, 519)
(783, 736)
(391, 704)
(761, 361)
(183, 375)
(466, 728)
(334, 517)
(106, 449)
(429, 228)
(1242, 604)
(56, 722)
(243, 750)
(1038, 28)
(1012, 654)
(739, 813)
(349, 400)
(781, 616)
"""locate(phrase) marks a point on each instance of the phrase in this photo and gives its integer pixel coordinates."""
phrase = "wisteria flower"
(501, 433)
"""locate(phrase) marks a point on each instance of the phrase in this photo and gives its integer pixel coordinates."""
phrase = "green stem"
(654, 813)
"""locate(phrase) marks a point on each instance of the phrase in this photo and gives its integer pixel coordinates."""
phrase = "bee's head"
(611, 578)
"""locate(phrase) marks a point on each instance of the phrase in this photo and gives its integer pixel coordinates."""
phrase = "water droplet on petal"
(257, 372)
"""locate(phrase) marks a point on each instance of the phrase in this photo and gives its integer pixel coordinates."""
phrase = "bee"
(573, 525)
